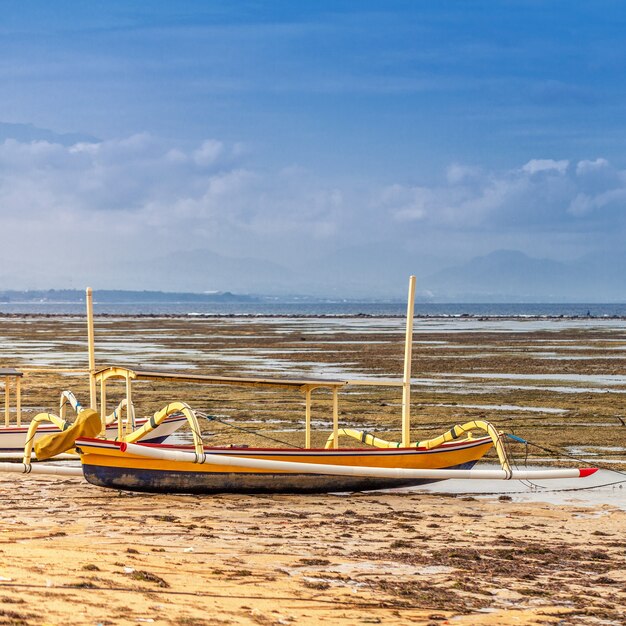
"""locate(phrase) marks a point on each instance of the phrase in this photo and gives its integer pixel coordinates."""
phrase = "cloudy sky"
(211, 145)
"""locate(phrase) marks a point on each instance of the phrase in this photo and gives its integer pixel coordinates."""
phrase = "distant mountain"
(362, 272)
(511, 276)
(378, 270)
(120, 296)
(204, 270)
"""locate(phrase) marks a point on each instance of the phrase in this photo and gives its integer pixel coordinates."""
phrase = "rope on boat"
(561, 453)
(249, 431)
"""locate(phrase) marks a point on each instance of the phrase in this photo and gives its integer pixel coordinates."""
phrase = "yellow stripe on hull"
(105, 454)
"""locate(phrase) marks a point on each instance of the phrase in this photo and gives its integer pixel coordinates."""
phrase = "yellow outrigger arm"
(454, 433)
(87, 424)
(160, 416)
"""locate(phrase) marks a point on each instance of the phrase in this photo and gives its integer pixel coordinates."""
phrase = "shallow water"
(502, 407)
(599, 379)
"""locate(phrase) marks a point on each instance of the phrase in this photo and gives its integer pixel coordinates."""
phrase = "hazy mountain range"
(501, 276)
(512, 276)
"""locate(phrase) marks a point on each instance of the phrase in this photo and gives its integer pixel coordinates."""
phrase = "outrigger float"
(131, 463)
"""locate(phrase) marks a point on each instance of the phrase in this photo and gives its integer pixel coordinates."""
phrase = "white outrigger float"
(131, 463)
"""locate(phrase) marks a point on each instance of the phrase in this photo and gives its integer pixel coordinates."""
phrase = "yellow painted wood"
(115, 371)
(103, 406)
(18, 400)
(291, 383)
(7, 402)
(91, 349)
(160, 416)
(336, 418)
(443, 457)
(408, 352)
(32, 429)
(307, 418)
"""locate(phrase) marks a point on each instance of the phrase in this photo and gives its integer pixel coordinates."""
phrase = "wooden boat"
(109, 464)
(131, 464)
(118, 424)
(175, 469)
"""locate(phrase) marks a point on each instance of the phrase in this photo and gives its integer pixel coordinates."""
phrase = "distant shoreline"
(191, 316)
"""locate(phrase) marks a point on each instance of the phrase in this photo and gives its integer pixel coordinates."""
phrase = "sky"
(305, 146)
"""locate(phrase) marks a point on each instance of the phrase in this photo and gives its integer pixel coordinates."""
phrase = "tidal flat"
(100, 556)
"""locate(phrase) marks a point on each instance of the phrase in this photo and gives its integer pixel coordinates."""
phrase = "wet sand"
(73, 553)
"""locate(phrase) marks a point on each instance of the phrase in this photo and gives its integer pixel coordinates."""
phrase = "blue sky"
(332, 134)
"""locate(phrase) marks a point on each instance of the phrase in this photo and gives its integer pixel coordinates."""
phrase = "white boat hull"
(13, 438)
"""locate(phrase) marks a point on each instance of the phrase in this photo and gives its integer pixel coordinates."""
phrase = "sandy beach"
(74, 553)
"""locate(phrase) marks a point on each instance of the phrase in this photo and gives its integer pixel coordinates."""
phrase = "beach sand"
(71, 553)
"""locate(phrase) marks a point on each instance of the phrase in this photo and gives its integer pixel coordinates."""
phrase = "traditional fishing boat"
(129, 463)
(15, 435)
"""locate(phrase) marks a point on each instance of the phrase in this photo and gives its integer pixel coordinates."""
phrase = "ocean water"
(322, 308)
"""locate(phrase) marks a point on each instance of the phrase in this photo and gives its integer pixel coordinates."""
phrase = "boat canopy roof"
(139, 374)
(10, 371)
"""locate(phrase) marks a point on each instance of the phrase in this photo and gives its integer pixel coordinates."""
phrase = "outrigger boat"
(131, 464)
(15, 435)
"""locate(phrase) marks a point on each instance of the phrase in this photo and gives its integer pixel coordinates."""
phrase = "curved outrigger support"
(160, 416)
(116, 414)
(68, 398)
(40, 418)
(454, 433)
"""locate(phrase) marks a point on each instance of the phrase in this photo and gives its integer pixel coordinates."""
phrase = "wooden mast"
(406, 381)
(91, 350)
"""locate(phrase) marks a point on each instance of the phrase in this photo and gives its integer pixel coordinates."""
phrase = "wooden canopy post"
(335, 417)
(307, 418)
(130, 410)
(7, 402)
(408, 353)
(10, 374)
(103, 407)
(91, 350)
(18, 400)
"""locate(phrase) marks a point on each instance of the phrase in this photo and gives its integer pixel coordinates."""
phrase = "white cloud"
(534, 166)
(457, 173)
(581, 204)
(137, 198)
(516, 200)
(584, 167)
(209, 152)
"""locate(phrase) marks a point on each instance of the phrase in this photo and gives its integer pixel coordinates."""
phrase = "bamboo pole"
(156, 452)
(18, 400)
(307, 418)
(55, 470)
(406, 381)
(335, 418)
(130, 411)
(7, 402)
(92, 351)
(103, 407)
